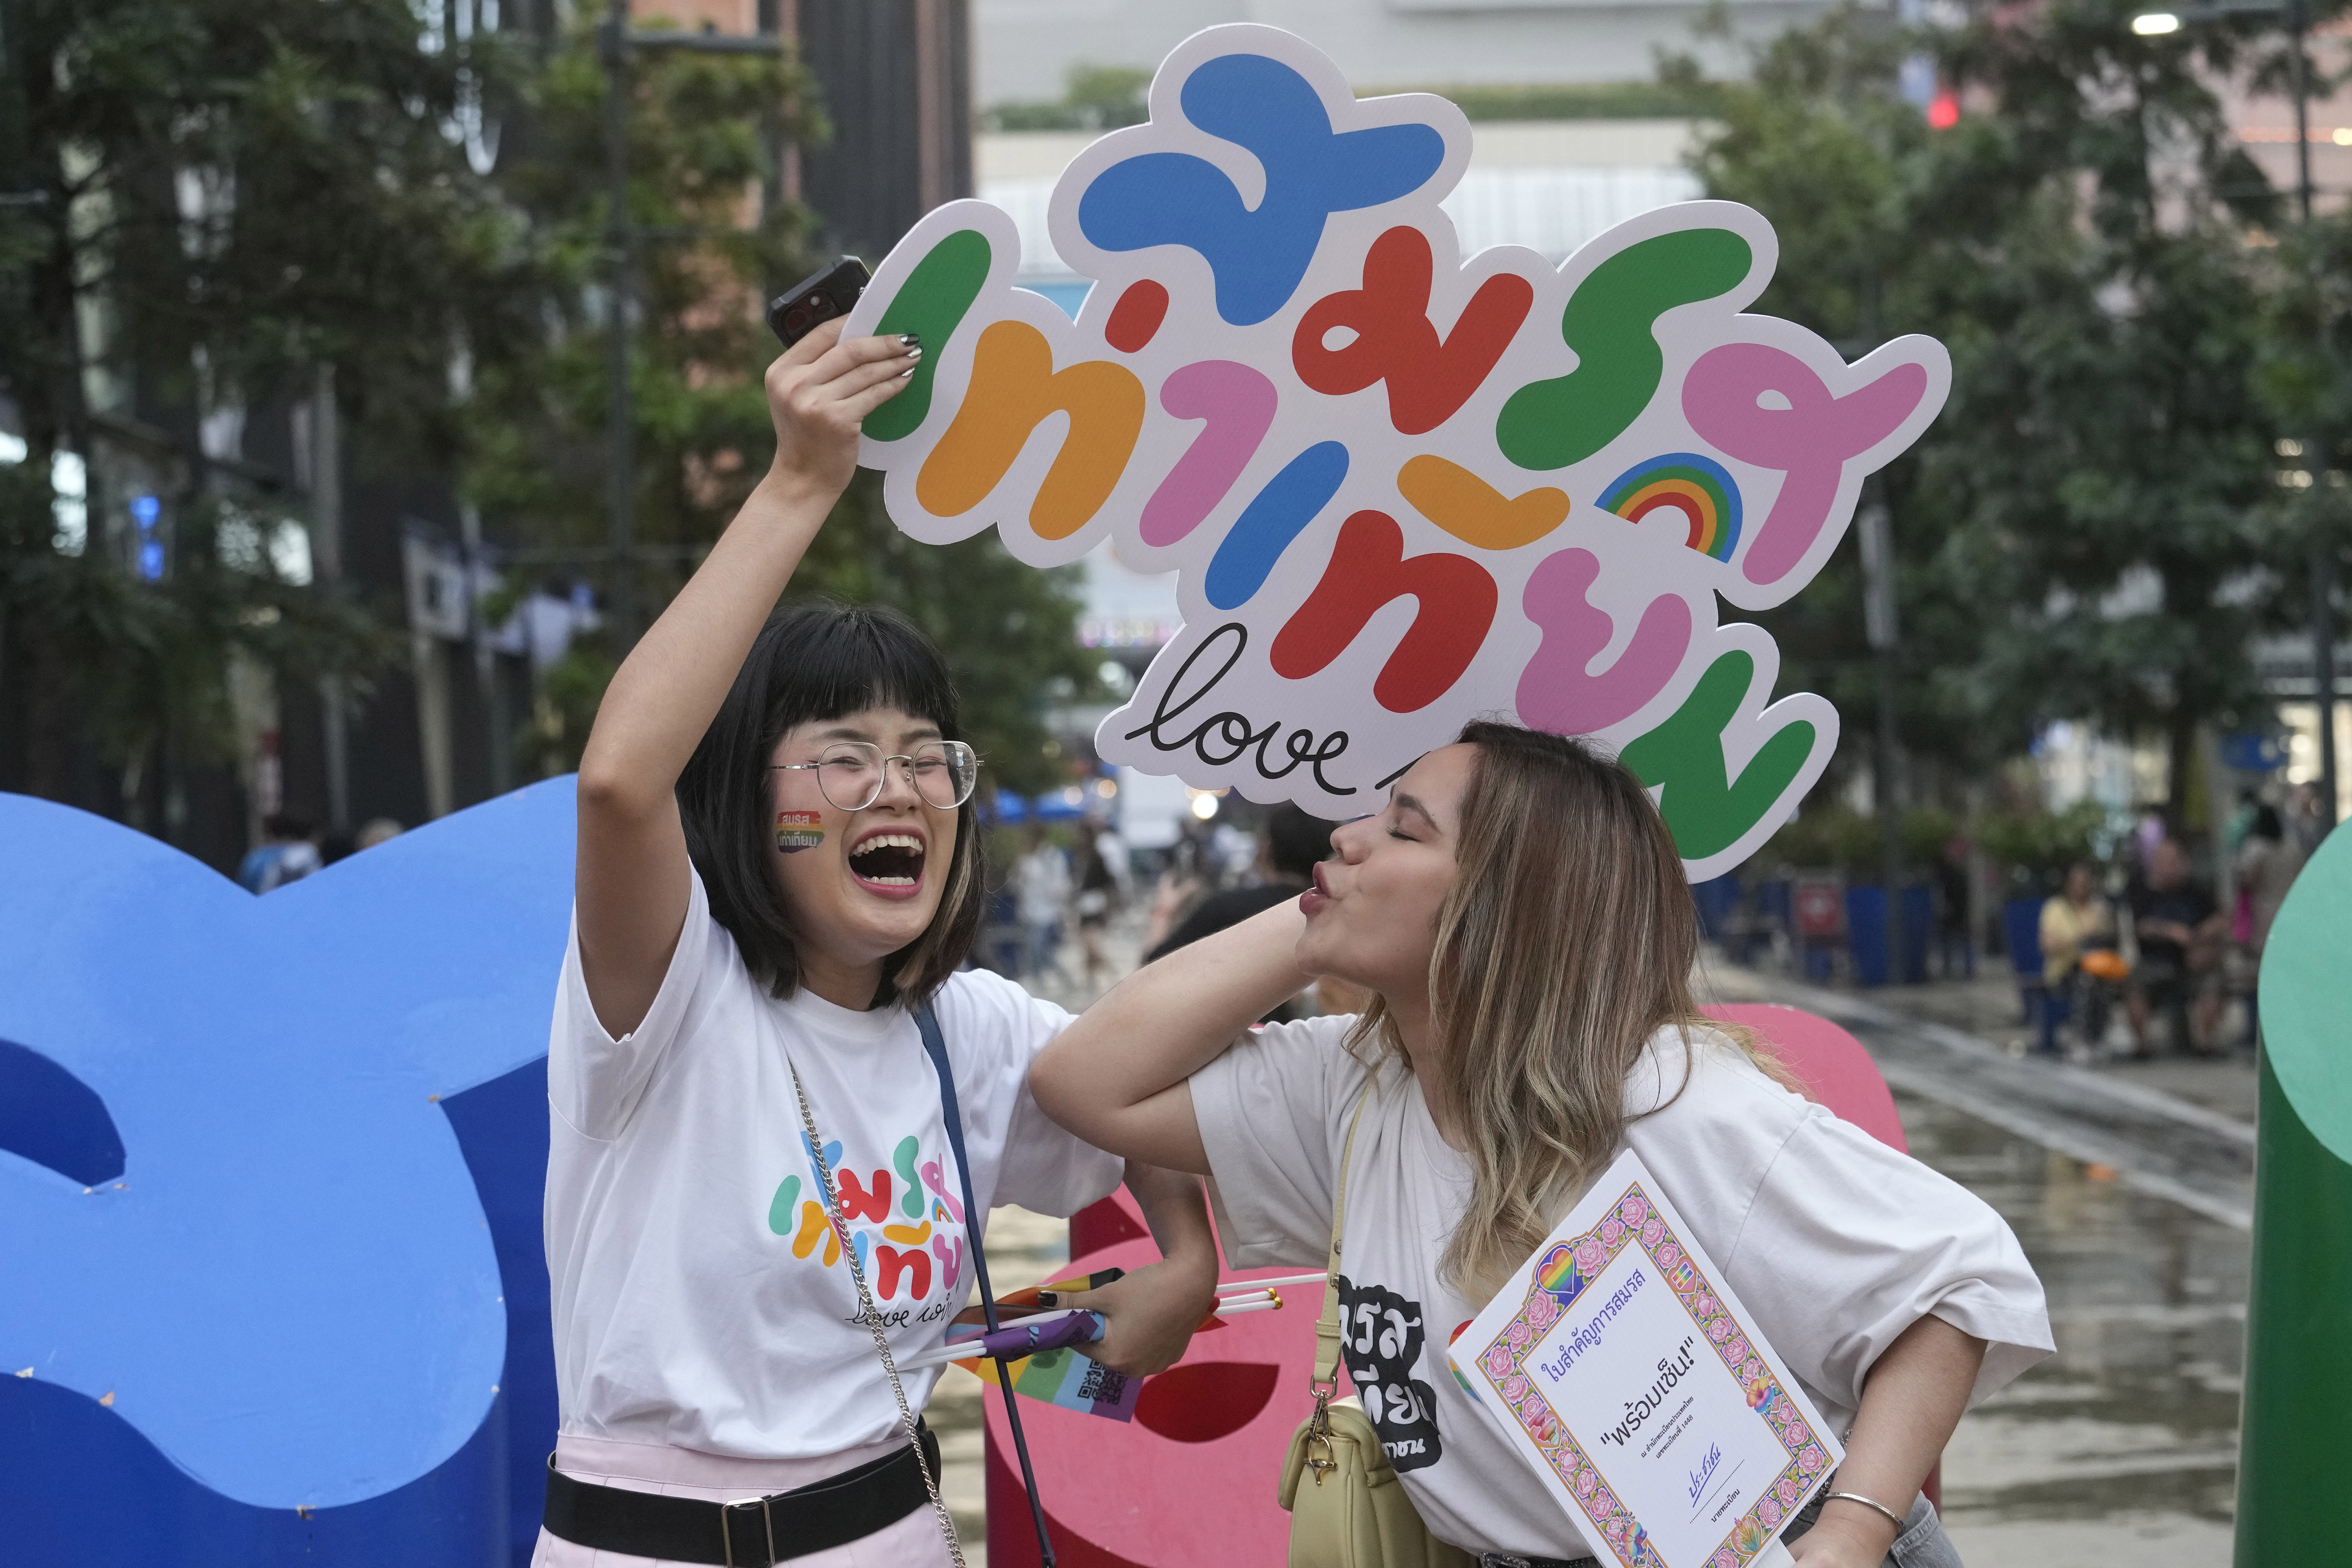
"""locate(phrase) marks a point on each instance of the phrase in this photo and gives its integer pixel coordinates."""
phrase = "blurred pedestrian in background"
(1284, 868)
(1041, 890)
(1956, 946)
(2266, 867)
(2180, 928)
(1187, 910)
(2076, 924)
(2308, 821)
(289, 851)
(1099, 893)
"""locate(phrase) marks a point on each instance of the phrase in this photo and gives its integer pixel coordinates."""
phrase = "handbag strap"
(935, 1046)
(1326, 1382)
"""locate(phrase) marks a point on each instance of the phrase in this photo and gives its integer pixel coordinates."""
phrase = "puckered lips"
(888, 860)
(1317, 897)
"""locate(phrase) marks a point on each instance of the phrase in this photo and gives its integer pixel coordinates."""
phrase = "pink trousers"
(913, 1543)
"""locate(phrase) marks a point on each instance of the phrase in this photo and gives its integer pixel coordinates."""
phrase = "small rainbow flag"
(1070, 1380)
(1064, 1377)
(1697, 487)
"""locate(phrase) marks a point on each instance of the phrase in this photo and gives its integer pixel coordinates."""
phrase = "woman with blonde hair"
(1521, 914)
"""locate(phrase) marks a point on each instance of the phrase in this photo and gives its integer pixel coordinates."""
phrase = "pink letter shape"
(1556, 693)
(1238, 403)
(1809, 440)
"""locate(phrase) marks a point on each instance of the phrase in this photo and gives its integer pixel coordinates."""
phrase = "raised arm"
(1117, 1075)
(632, 863)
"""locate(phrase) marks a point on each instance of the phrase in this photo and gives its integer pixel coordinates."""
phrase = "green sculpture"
(2292, 1504)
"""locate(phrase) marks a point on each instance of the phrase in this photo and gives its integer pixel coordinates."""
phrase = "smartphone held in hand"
(817, 299)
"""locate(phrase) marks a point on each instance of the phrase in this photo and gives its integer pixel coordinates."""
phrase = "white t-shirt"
(1835, 1243)
(700, 1297)
(1042, 878)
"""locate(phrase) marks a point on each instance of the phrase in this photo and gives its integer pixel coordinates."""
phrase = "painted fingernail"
(910, 339)
(1049, 1298)
(913, 354)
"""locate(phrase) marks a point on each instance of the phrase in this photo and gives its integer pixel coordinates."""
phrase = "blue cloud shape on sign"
(291, 1290)
(1258, 254)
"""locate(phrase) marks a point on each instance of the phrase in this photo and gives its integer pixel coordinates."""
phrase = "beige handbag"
(1347, 1509)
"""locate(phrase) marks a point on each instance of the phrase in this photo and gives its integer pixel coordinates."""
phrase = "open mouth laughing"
(888, 860)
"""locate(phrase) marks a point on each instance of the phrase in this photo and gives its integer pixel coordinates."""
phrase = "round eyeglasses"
(850, 773)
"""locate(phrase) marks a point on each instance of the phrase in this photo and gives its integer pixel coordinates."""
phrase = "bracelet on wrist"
(1891, 1516)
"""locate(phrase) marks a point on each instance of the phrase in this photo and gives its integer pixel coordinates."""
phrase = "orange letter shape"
(1013, 387)
(1475, 511)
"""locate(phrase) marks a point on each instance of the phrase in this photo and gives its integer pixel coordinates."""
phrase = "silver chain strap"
(874, 1320)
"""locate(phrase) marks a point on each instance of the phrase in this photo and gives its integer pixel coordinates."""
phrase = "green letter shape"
(1705, 809)
(779, 1208)
(931, 303)
(909, 1177)
(1553, 424)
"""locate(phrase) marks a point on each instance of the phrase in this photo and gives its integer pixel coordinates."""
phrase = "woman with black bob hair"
(820, 661)
(755, 1211)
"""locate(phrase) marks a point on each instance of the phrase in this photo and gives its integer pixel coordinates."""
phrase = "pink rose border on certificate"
(1633, 1222)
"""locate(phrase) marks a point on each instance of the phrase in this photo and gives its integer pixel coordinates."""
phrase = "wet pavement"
(2121, 1448)
(2128, 1185)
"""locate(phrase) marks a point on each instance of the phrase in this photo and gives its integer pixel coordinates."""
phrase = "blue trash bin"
(1919, 928)
(2020, 925)
(1716, 898)
(1866, 932)
(1866, 921)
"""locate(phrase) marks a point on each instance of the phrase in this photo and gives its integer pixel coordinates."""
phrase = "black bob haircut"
(816, 661)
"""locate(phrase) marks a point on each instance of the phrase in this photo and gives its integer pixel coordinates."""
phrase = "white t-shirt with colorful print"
(701, 1299)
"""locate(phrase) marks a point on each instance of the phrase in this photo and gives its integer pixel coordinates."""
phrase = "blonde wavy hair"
(1566, 943)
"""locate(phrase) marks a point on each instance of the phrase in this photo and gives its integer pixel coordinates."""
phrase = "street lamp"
(2297, 15)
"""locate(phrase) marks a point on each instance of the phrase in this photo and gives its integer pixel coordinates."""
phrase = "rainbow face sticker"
(799, 830)
(1399, 486)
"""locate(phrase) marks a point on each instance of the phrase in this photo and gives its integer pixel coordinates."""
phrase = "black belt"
(758, 1531)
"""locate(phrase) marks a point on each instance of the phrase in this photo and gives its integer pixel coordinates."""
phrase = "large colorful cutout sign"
(1400, 490)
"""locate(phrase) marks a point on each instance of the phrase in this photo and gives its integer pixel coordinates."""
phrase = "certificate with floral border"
(1627, 1372)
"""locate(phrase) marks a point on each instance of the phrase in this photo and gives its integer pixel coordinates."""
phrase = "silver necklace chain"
(874, 1320)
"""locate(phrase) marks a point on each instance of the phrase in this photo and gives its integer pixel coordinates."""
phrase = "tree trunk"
(2180, 762)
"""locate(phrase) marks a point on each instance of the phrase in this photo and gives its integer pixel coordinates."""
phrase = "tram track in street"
(2157, 1143)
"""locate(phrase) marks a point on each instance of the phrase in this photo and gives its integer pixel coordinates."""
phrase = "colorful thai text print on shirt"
(907, 1223)
(1401, 488)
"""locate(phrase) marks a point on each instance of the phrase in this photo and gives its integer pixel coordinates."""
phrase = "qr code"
(1102, 1383)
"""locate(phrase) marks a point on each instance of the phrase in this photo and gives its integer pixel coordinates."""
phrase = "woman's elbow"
(1053, 1081)
(611, 791)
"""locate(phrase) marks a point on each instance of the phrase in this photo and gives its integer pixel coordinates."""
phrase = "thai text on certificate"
(1628, 1373)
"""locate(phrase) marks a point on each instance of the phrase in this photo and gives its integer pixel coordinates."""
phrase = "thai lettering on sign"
(1399, 489)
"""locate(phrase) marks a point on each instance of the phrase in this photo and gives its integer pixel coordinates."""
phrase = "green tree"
(2106, 460)
(2307, 381)
(2078, 534)
(702, 128)
(698, 351)
(208, 200)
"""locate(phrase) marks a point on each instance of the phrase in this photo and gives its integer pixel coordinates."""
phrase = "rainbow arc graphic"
(1695, 486)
